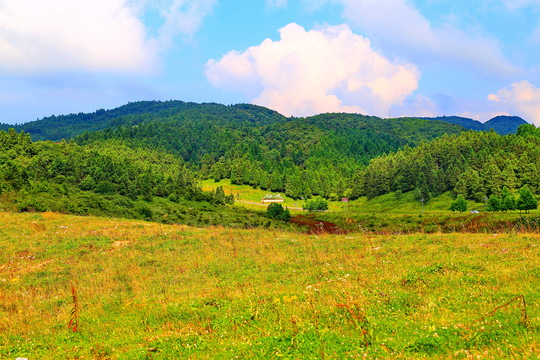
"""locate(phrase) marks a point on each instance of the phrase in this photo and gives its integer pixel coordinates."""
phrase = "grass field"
(138, 290)
(389, 203)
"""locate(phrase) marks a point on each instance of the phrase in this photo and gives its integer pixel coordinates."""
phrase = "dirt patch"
(120, 243)
(317, 226)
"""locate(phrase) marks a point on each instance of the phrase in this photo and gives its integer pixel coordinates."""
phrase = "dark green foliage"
(508, 201)
(105, 188)
(460, 204)
(251, 145)
(317, 204)
(504, 124)
(501, 124)
(277, 212)
(473, 164)
(526, 200)
(106, 178)
(493, 203)
(88, 183)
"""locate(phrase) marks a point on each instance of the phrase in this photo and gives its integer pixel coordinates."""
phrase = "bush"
(145, 212)
(494, 203)
(459, 204)
(276, 211)
(88, 183)
(317, 204)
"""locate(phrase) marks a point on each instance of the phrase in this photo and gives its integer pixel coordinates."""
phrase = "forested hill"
(299, 156)
(500, 124)
(56, 128)
(101, 179)
(474, 164)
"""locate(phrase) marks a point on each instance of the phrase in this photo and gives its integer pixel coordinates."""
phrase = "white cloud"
(307, 72)
(97, 35)
(179, 16)
(522, 98)
(399, 27)
(416, 106)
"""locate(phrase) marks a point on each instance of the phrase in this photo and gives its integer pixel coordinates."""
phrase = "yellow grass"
(156, 291)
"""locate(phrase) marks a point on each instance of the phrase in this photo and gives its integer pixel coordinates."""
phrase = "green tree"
(526, 200)
(277, 212)
(317, 204)
(508, 201)
(460, 204)
(493, 203)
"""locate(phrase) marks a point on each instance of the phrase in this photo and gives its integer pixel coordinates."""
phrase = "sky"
(387, 58)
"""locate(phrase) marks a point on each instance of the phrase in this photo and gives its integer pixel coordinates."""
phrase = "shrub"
(494, 203)
(317, 204)
(276, 211)
(88, 183)
(459, 204)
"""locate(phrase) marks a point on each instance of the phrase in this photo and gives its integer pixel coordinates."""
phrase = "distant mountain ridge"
(500, 124)
(68, 126)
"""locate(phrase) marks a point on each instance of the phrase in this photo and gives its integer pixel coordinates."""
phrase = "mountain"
(501, 124)
(248, 144)
(254, 146)
(467, 123)
(505, 124)
(473, 164)
(56, 128)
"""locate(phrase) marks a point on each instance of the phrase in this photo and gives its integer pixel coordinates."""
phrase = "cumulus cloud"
(522, 98)
(330, 69)
(398, 26)
(89, 35)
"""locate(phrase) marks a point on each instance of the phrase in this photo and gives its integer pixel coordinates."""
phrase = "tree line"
(472, 164)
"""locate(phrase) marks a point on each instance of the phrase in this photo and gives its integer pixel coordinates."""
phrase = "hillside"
(56, 128)
(324, 155)
(109, 179)
(97, 288)
(505, 124)
(299, 156)
(500, 124)
(473, 164)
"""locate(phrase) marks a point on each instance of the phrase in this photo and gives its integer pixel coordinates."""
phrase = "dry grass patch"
(156, 291)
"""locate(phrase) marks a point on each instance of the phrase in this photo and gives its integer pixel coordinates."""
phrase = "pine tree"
(494, 203)
(508, 201)
(526, 200)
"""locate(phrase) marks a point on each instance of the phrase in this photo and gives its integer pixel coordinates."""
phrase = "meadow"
(101, 288)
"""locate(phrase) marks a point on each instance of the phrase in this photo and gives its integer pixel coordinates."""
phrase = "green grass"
(155, 291)
(392, 214)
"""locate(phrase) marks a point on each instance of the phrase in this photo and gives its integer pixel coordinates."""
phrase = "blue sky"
(300, 57)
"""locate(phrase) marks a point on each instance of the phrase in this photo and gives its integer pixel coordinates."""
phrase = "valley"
(140, 233)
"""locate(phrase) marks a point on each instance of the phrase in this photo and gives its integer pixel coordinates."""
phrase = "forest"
(302, 157)
(106, 179)
(116, 162)
(473, 164)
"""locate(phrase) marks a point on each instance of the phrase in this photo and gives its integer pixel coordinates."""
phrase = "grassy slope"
(162, 291)
(388, 214)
